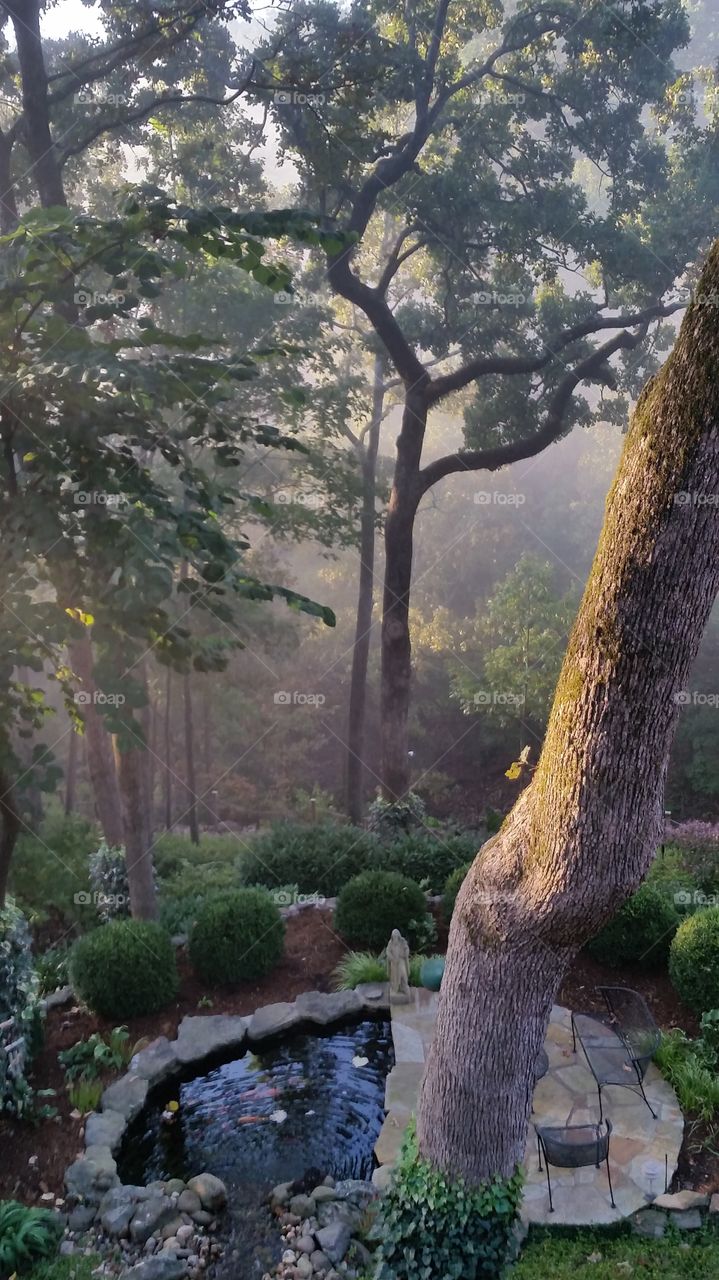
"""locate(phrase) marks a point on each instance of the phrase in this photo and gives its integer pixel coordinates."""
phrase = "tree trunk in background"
(396, 648)
(356, 767)
(71, 775)
(167, 750)
(10, 824)
(583, 833)
(140, 874)
(37, 135)
(100, 757)
(147, 720)
(190, 781)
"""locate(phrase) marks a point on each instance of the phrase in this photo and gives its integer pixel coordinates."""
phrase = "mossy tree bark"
(582, 835)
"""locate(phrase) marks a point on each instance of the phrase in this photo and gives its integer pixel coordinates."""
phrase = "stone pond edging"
(93, 1181)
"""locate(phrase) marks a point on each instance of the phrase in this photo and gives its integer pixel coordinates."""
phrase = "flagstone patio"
(641, 1148)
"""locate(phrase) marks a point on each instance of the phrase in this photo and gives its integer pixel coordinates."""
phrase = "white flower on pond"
(359, 1060)
(278, 1117)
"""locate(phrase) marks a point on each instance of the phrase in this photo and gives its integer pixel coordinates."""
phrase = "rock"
(340, 1211)
(714, 1203)
(281, 1195)
(273, 1019)
(374, 995)
(305, 1244)
(202, 1218)
(156, 1062)
(211, 1191)
(358, 1256)
(57, 998)
(81, 1218)
(304, 1267)
(334, 1240)
(687, 1219)
(171, 1245)
(175, 1186)
(329, 1181)
(67, 1248)
(127, 1095)
(116, 1220)
(333, 1275)
(171, 1229)
(303, 1206)
(289, 1220)
(382, 1177)
(198, 1038)
(649, 1222)
(161, 1267)
(189, 1202)
(323, 1193)
(91, 1177)
(185, 1233)
(677, 1201)
(356, 1190)
(289, 1257)
(157, 1188)
(105, 1129)
(150, 1217)
(323, 1007)
(320, 1261)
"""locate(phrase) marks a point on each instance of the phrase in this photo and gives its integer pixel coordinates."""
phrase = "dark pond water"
(232, 1122)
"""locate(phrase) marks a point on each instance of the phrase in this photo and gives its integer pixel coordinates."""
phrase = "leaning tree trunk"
(584, 832)
(396, 648)
(356, 768)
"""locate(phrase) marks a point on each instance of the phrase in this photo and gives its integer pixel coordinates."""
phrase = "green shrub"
(178, 914)
(109, 883)
(694, 960)
(25, 1234)
(641, 931)
(19, 1000)
(317, 859)
(669, 874)
(51, 968)
(452, 886)
(49, 870)
(428, 859)
(697, 844)
(237, 937)
(374, 903)
(173, 854)
(124, 969)
(689, 1066)
(357, 967)
(393, 818)
(430, 1226)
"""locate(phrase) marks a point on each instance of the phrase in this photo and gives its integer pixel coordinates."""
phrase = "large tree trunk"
(100, 758)
(140, 873)
(36, 133)
(71, 774)
(584, 832)
(396, 648)
(356, 768)
(168, 749)
(10, 823)
(190, 779)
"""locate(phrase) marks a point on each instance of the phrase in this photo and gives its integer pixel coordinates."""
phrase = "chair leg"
(549, 1186)
(574, 1036)
(601, 1103)
(651, 1108)
(609, 1180)
(539, 1153)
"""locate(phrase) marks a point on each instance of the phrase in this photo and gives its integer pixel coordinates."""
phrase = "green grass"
(76, 1267)
(556, 1254)
(690, 1074)
(365, 966)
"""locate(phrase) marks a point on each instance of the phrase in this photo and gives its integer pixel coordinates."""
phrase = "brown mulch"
(312, 949)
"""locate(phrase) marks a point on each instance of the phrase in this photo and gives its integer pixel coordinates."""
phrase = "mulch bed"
(312, 950)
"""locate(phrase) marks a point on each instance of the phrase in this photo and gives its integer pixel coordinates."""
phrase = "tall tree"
(543, 279)
(584, 831)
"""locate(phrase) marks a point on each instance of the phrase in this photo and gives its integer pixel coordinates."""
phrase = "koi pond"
(312, 1101)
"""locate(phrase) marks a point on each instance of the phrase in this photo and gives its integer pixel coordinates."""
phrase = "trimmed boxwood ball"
(453, 884)
(374, 903)
(236, 937)
(124, 969)
(694, 961)
(640, 932)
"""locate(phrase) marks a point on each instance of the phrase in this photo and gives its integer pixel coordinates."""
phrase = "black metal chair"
(619, 1047)
(575, 1146)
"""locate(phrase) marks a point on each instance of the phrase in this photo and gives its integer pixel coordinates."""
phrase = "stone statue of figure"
(398, 964)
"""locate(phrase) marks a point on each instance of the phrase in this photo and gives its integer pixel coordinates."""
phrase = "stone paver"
(641, 1150)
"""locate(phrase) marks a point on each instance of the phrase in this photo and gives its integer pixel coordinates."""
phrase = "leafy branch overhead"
(120, 438)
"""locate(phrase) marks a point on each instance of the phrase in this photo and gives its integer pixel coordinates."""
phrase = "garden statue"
(398, 965)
